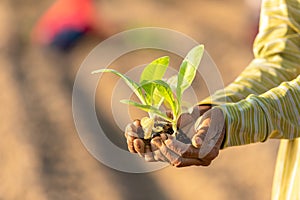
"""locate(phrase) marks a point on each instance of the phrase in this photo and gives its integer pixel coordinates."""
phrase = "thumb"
(199, 137)
(210, 131)
(197, 141)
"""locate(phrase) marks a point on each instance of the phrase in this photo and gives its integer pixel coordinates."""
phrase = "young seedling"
(154, 92)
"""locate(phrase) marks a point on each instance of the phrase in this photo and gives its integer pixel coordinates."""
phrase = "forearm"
(274, 114)
(276, 51)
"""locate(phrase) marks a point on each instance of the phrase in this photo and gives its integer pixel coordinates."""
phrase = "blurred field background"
(41, 156)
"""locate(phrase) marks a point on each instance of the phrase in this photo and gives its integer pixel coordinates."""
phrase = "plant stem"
(174, 127)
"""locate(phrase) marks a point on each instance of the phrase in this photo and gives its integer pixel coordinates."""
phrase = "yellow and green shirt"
(264, 101)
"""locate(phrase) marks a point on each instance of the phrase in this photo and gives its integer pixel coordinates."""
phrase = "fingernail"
(136, 123)
(138, 146)
(198, 141)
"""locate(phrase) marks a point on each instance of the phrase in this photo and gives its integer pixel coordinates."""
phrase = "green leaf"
(153, 97)
(161, 92)
(172, 81)
(157, 98)
(149, 90)
(155, 70)
(188, 70)
(147, 108)
(135, 87)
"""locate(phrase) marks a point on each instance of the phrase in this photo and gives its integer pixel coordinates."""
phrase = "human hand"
(134, 132)
(205, 145)
(185, 123)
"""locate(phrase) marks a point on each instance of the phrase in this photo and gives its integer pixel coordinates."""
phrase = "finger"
(215, 150)
(198, 138)
(137, 123)
(157, 155)
(184, 162)
(197, 141)
(164, 137)
(174, 145)
(205, 145)
(211, 133)
(182, 149)
(130, 145)
(191, 152)
(202, 123)
(131, 130)
(169, 114)
(149, 157)
(139, 146)
(171, 156)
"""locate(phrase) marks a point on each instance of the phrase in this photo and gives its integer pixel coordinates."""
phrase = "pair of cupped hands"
(205, 123)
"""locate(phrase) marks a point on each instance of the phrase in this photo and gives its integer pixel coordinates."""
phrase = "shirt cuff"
(245, 122)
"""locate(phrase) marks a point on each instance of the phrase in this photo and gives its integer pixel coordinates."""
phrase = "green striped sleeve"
(270, 110)
(274, 114)
(276, 51)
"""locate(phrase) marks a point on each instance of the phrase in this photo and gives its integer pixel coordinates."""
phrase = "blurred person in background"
(262, 103)
(66, 21)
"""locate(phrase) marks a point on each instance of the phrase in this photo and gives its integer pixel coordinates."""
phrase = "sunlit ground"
(41, 156)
